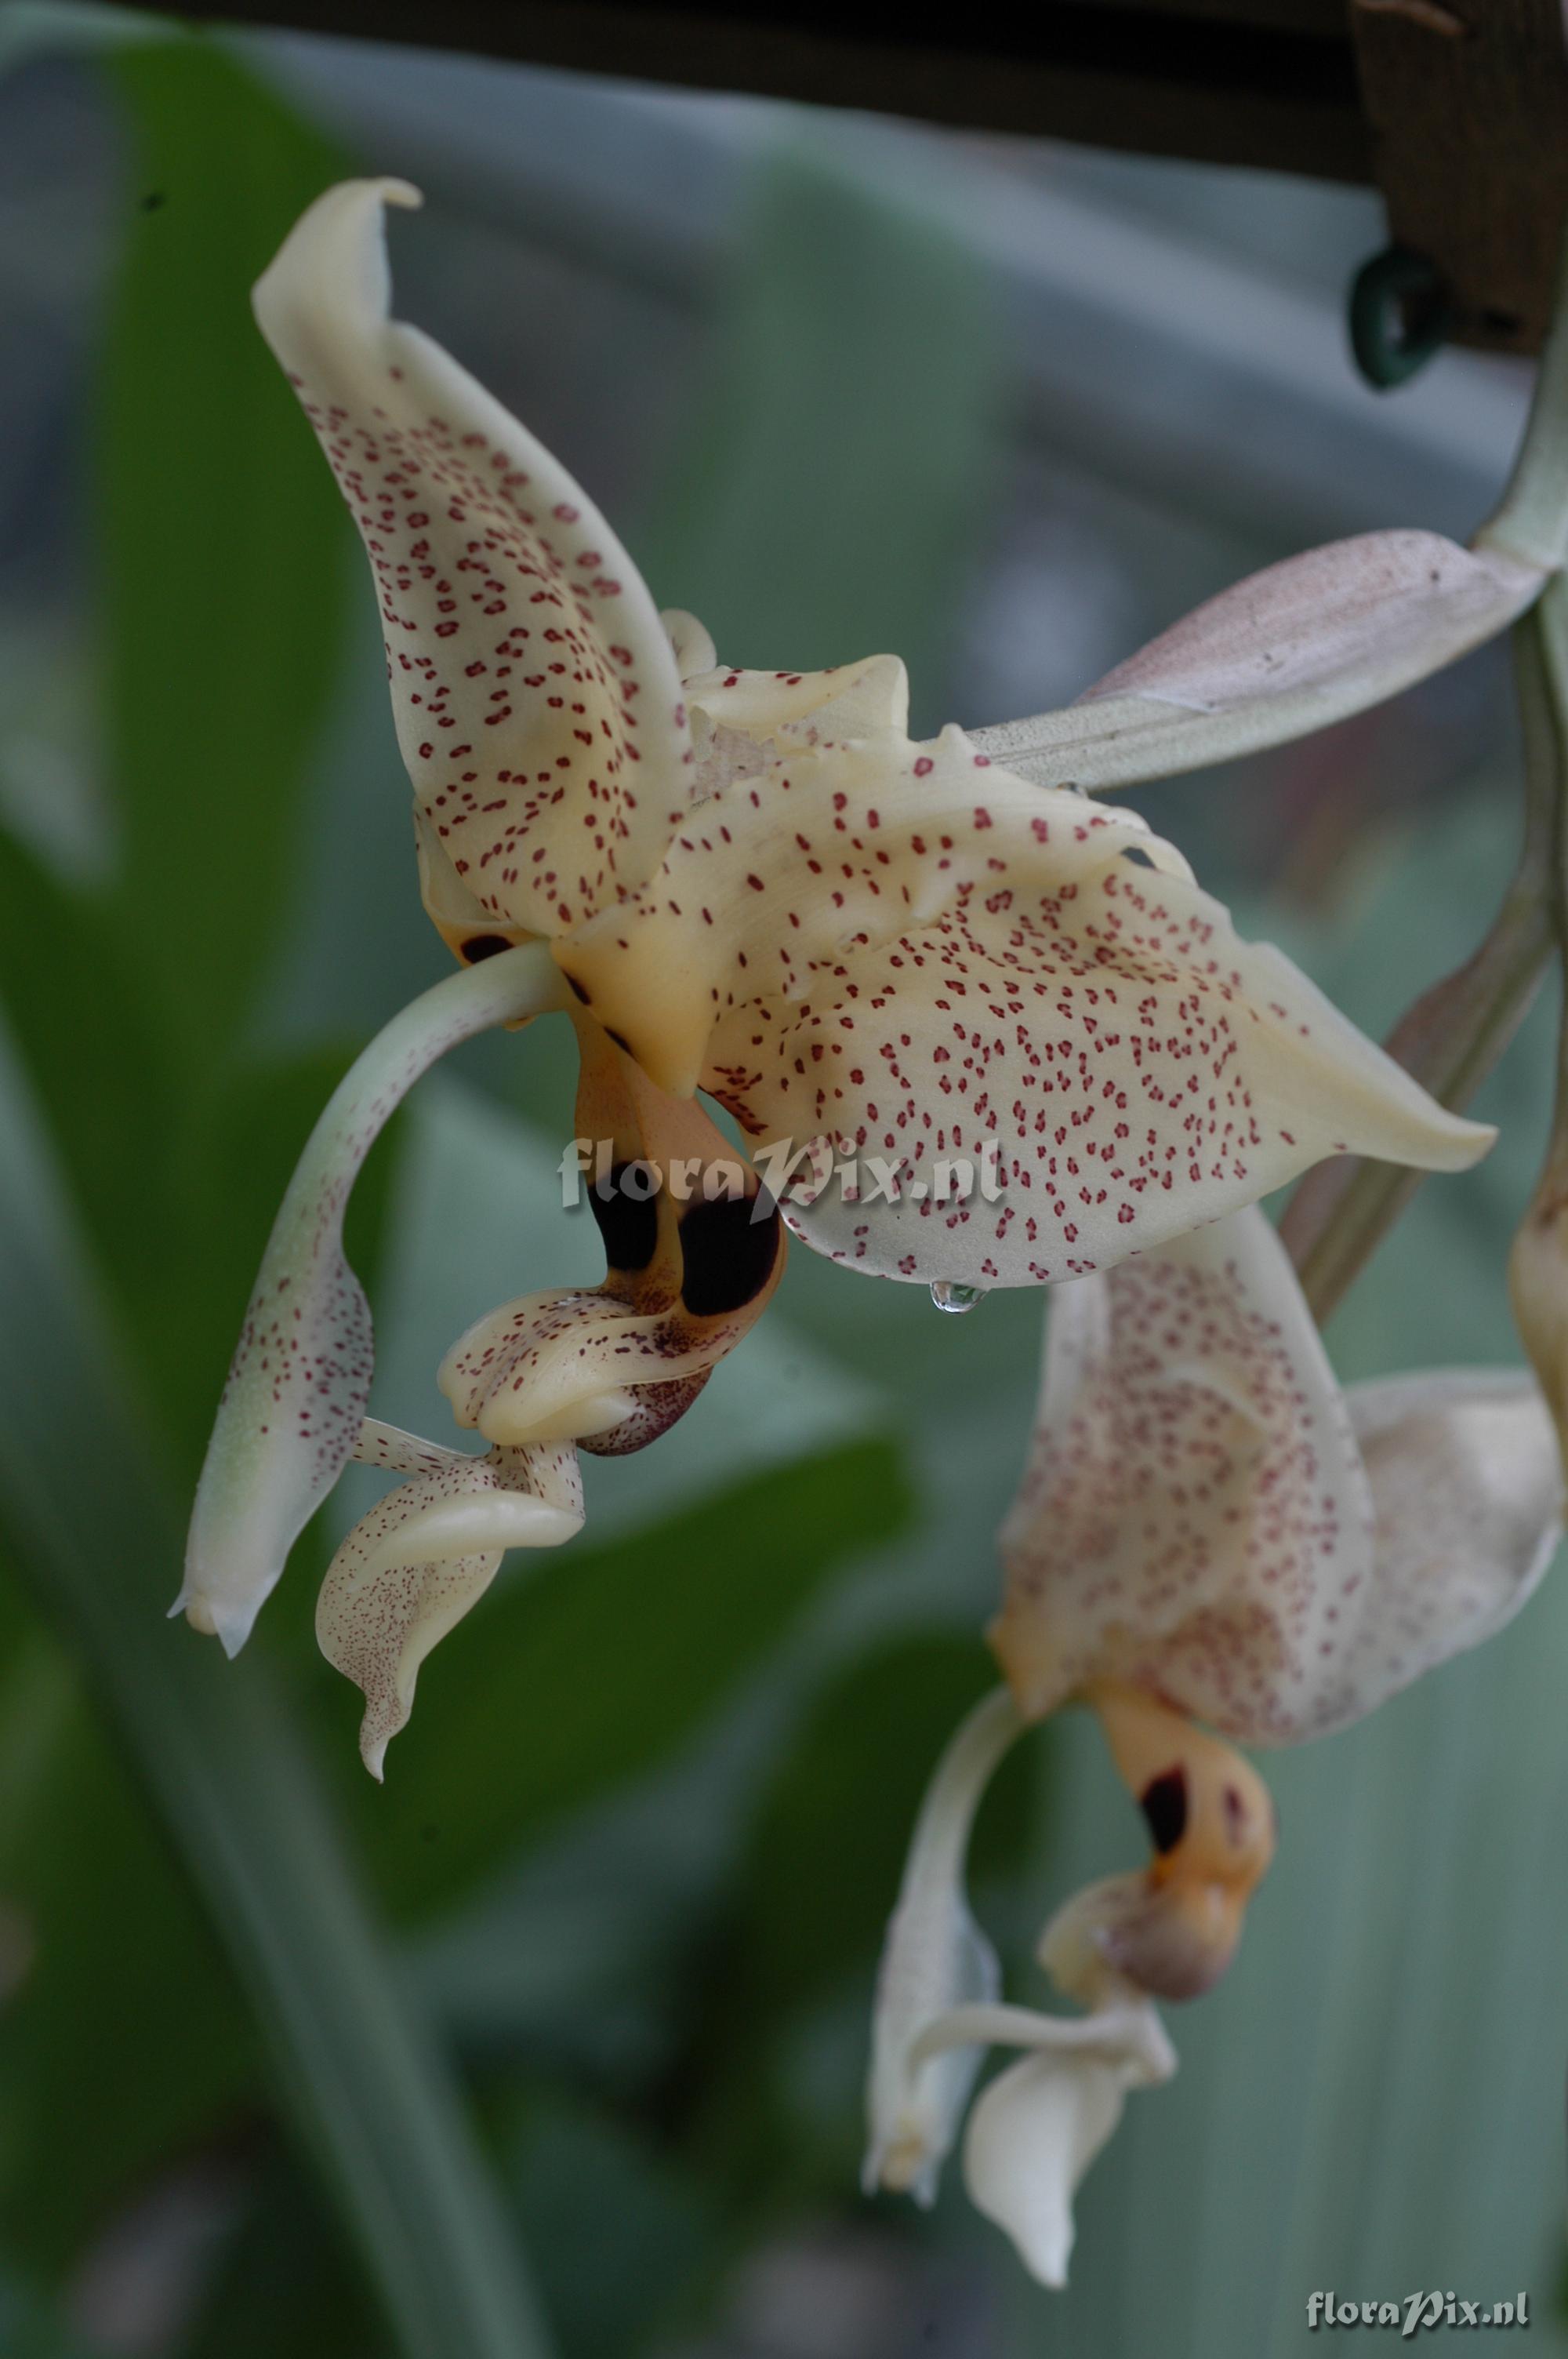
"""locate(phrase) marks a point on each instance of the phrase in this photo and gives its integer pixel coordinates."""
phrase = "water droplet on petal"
(948, 1295)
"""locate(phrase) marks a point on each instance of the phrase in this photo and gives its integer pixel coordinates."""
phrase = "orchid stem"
(1530, 521)
(85, 1521)
(1454, 1034)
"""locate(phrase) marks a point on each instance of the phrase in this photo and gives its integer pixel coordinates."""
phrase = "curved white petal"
(1036, 2129)
(1205, 1517)
(412, 1568)
(1467, 1491)
(300, 1377)
(536, 699)
(1195, 1518)
(935, 1958)
(1291, 649)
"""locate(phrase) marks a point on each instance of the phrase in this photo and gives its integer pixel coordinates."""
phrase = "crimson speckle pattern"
(536, 700)
(377, 1622)
(300, 1377)
(1195, 1518)
(522, 1362)
(1204, 1516)
(915, 958)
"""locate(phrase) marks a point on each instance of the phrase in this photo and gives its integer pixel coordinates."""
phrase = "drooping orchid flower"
(1211, 1546)
(874, 953)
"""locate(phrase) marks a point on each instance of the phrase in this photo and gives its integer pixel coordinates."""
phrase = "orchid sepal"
(1299, 646)
(424, 1555)
(935, 1959)
(1037, 2127)
(300, 1383)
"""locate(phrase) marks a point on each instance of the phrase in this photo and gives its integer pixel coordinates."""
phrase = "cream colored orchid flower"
(896, 955)
(1207, 1531)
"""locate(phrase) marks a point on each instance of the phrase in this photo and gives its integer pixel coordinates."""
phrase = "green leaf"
(281, 2285)
(821, 1868)
(831, 481)
(84, 1516)
(810, 1898)
(593, 1665)
(619, 2228)
(223, 544)
(78, 1009)
(117, 1941)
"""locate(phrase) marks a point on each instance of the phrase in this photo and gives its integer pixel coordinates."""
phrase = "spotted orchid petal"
(299, 1381)
(742, 720)
(1204, 1519)
(411, 1568)
(1041, 2123)
(935, 1959)
(1467, 1494)
(538, 702)
(910, 959)
(1303, 643)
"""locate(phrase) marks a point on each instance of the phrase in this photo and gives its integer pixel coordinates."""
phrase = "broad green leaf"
(281, 2284)
(127, 2018)
(593, 1665)
(84, 1518)
(821, 1868)
(620, 2230)
(831, 482)
(77, 1006)
(793, 1965)
(223, 545)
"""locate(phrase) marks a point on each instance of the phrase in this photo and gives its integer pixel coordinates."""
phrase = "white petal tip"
(1472, 1140)
(230, 1627)
(373, 1756)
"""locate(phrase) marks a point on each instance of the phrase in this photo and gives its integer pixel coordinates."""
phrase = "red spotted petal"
(535, 690)
(1205, 1517)
(411, 1568)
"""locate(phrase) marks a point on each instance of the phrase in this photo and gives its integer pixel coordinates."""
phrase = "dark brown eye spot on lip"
(628, 1217)
(1163, 1804)
(1236, 1826)
(582, 990)
(484, 946)
(620, 1043)
(729, 1248)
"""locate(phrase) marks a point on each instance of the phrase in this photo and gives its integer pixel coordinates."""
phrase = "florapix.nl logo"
(789, 1174)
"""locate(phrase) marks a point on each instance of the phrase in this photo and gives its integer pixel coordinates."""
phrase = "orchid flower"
(882, 957)
(1208, 1532)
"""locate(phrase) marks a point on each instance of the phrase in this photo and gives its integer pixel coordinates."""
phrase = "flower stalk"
(1454, 1034)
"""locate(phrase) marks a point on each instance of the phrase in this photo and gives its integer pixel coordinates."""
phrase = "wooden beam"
(1468, 102)
(1264, 83)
